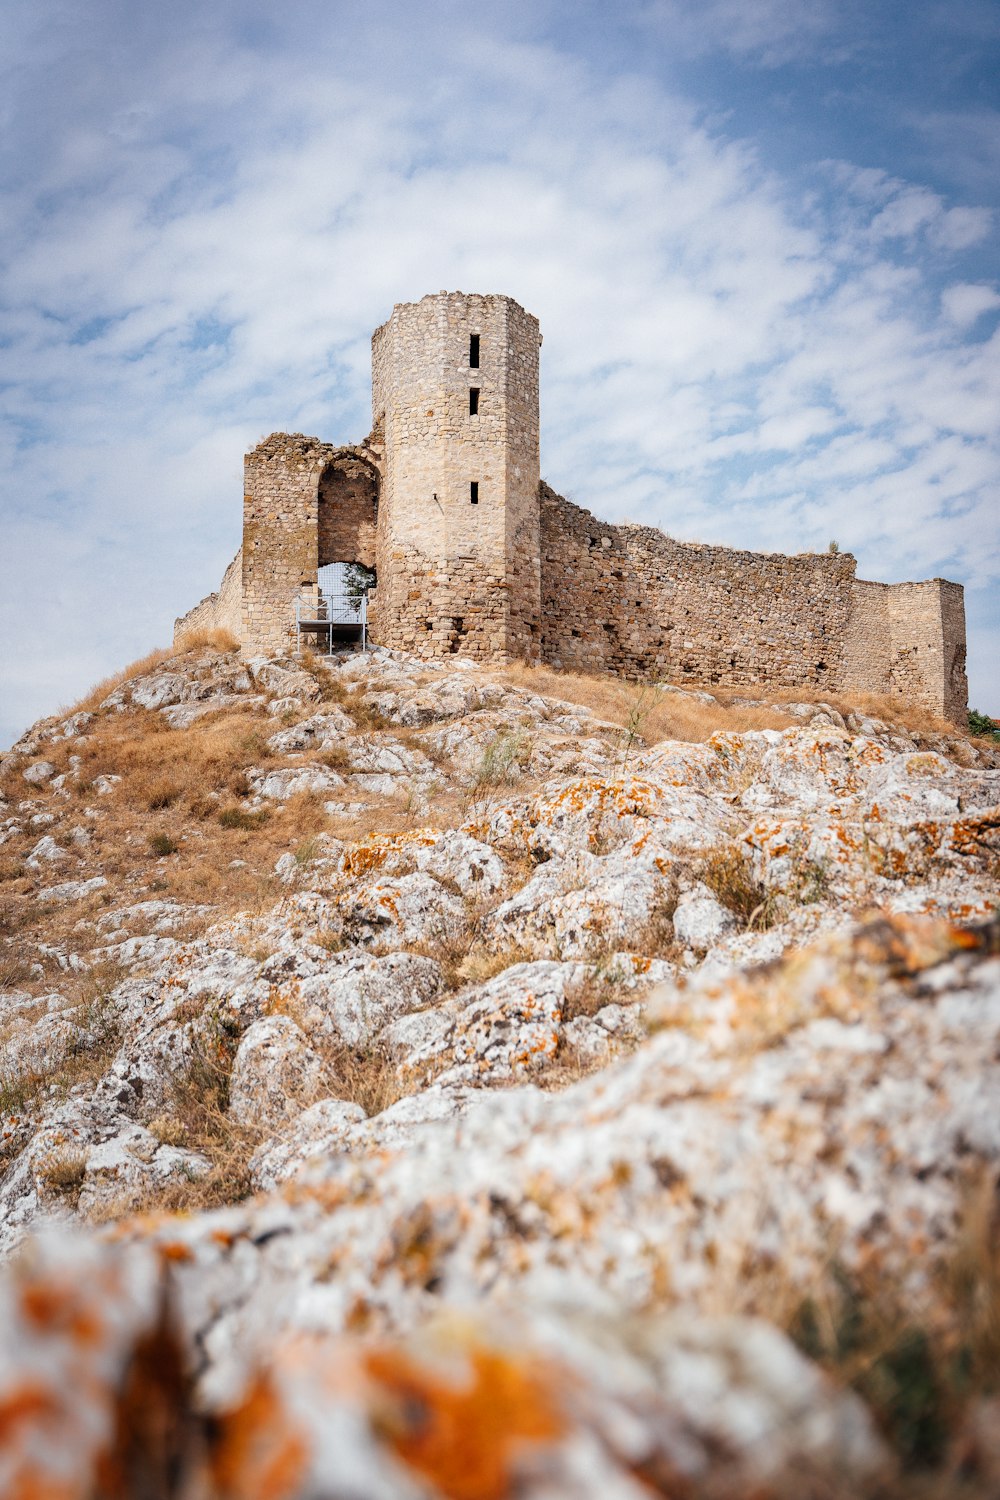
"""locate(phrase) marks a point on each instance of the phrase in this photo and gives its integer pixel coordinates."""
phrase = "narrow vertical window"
(473, 351)
(474, 491)
(474, 401)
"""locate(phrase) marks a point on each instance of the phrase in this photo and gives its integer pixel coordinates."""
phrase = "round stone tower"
(455, 402)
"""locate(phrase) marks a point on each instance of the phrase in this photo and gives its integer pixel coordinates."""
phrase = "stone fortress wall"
(475, 555)
(222, 610)
(630, 599)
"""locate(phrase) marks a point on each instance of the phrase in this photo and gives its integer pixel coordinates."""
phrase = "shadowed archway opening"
(347, 512)
(347, 517)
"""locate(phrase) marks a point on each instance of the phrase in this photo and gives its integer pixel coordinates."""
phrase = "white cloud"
(964, 303)
(224, 229)
(767, 32)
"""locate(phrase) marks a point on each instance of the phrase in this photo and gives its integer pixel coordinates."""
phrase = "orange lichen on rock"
(978, 835)
(371, 853)
(465, 1435)
(260, 1453)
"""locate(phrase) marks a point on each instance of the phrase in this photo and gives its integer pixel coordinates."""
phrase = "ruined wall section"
(927, 634)
(868, 643)
(629, 599)
(953, 651)
(457, 574)
(908, 639)
(222, 610)
(522, 479)
(281, 529)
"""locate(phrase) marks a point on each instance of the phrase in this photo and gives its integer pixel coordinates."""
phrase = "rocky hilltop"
(431, 1082)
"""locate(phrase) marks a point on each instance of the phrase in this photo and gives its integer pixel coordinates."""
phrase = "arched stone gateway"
(347, 500)
(306, 505)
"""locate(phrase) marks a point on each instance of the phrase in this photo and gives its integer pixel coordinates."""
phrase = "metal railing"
(338, 617)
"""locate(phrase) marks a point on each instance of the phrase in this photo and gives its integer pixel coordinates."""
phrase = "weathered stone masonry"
(475, 555)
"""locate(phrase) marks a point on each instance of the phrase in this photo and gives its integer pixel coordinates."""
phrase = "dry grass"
(175, 823)
(198, 1118)
(637, 708)
(89, 1008)
(365, 1075)
(389, 815)
(501, 765)
(220, 641)
(728, 873)
(601, 985)
(333, 689)
(568, 1066)
(484, 961)
(892, 710)
(920, 1362)
(919, 1367)
(642, 711)
(63, 1173)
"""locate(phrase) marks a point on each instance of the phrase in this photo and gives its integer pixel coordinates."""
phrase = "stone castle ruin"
(474, 554)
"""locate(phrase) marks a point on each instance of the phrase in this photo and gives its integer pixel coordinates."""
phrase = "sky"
(760, 237)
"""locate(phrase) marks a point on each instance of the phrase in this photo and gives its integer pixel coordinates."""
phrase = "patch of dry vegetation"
(88, 1008)
(640, 709)
(654, 715)
(727, 871)
(352, 698)
(197, 1118)
(220, 641)
(174, 825)
(919, 1366)
(501, 765)
(364, 1073)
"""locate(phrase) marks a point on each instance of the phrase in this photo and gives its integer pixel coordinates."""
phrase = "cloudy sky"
(760, 235)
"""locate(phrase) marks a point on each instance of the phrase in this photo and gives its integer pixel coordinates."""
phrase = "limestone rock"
(700, 920)
(39, 772)
(46, 852)
(357, 998)
(320, 732)
(317, 1132)
(72, 890)
(509, 1029)
(275, 1072)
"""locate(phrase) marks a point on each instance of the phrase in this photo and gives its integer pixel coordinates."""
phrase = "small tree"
(357, 581)
(982, 724)
(833, 547)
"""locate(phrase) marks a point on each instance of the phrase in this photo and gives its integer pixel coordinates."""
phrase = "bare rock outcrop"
(413, 1083)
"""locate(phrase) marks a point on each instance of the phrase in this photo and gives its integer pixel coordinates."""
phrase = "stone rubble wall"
(222, 610)
(867, 645)
(927, 633)
(909, 639)
(630, 599)
(951, 599)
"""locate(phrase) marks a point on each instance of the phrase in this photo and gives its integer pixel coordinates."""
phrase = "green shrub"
(162, 843)
(238, 817)
(501, 764)
(982, 724)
